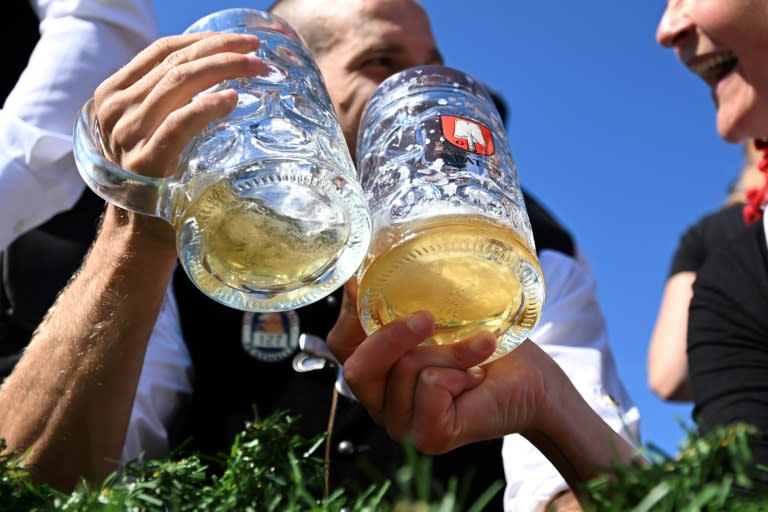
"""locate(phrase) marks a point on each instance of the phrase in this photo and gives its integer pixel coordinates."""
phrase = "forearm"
(70, 397)
(668, 369)
(577, 441)
(667, 357)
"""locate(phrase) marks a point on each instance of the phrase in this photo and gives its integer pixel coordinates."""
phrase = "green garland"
(271, 468)
(710, 473)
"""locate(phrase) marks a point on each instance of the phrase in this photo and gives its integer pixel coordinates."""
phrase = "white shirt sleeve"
(572, 330)
(165, 383)
(82, 42)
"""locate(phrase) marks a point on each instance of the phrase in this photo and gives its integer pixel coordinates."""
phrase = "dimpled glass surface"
(409, 169)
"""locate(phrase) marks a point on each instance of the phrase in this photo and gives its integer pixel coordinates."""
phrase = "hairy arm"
(667, 355)
(70, 397)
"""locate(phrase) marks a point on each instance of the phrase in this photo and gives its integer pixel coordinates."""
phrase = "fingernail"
(428, 376)
(228, 94)
(476, 372)
(420, 323)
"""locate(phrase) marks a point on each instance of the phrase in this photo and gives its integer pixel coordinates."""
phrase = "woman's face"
(725, 42)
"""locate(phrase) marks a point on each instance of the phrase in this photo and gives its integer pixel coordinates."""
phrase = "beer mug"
(450, 231)
(268, 212)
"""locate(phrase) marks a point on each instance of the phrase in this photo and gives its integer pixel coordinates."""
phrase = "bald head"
(315, 19)
(311, 19)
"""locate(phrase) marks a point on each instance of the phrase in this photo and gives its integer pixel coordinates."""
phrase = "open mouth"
(714, 68)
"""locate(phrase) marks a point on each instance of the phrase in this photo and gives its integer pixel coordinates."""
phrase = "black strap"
(548, 233)
(18, 38)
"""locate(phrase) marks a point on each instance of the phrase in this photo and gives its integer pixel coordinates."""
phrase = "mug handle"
(135, 192)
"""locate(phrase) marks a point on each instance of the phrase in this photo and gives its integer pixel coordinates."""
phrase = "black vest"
(19, 38)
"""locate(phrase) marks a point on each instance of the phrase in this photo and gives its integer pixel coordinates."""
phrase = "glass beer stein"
(450, 231)
(267, 208)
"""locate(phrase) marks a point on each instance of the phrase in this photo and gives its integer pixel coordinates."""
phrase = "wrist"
(554, 392)
(575, 439)
(136, 232)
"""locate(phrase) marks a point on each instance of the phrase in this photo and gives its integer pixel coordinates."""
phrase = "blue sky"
(607, 129)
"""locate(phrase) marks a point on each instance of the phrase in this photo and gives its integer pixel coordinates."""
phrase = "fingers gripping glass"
(266, 205)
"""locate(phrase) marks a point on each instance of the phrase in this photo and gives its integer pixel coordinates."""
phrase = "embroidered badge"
(270, 337)
(467, 135)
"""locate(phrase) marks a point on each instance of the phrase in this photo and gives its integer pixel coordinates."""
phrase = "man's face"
(373, 40)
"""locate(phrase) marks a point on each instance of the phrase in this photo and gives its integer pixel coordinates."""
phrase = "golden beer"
(244, 244)
(472, 273)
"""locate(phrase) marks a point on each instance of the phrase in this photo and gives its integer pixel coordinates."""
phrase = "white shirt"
(82, 42)
(571, 329)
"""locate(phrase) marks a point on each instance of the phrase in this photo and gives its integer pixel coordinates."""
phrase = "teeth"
(718, 61)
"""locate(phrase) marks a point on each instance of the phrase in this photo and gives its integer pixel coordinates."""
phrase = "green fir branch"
(272, 468)
(710, 473)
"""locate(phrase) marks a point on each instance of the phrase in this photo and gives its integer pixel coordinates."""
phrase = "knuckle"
(161, 46)
(465, 353)
(175, 75)
(109, 109)
(409, 364)
(120, 143)
(226, 39)
(174, 120)
(232, 58)
(332, 339)
(336, 343)
(144, 163)
(462, 354)
(134, 162)
(177, 58)
(101, 93)
(237, 61)
(351, 372)
(110, 116)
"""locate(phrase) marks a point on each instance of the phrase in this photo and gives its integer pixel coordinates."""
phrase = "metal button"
(346, 448)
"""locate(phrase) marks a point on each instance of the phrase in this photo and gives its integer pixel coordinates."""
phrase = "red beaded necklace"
(757, 198)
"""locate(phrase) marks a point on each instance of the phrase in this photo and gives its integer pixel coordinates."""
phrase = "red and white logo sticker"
(467, 135)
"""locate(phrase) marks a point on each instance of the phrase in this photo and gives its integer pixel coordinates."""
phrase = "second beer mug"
(267, 208)
(451, 233)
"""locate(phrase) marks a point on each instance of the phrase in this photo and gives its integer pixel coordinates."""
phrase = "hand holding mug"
(451, 233)
(241, 154)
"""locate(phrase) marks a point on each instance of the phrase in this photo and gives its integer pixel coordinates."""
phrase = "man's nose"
(674, 24)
